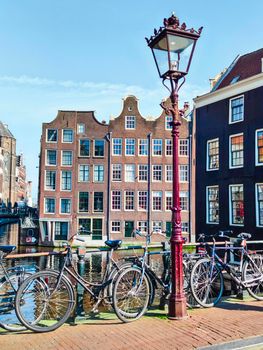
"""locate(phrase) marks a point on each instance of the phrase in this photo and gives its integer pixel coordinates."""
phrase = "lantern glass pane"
(180, 52)
(162, 60)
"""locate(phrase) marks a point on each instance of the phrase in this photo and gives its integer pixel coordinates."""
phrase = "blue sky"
(87, 55)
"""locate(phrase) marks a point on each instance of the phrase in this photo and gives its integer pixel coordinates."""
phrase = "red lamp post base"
(177, 309)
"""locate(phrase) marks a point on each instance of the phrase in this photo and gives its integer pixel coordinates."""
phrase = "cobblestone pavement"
(228, 322)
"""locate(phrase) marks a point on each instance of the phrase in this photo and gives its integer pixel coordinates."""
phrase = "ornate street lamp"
(173, 46)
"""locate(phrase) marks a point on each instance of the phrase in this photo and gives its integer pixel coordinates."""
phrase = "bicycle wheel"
(253, 269)
(206, 283)
(131, 294)
(8, 289)
(190, 300)
(44, 302)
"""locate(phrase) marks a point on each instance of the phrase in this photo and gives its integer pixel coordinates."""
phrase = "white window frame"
(142, 224)
(79, 125)
(256, 147)
(134, 145)
(84, 212)
(46, 157)
(160, 227)
(125, 172)
(166, 172)
(47, 134)
(69, 171)
(144, 165)
(60, 212)
(128, 121)
(45, 185)
(98, 181)
(138, 200)
(187, 173)
(207, 155)
(66, 150)
(120, 196)
(230, 109)
(84, 139)
(257, 204)
(184, 145)
(157, 155)
(166, 143)
(230, 151)
(230, 205)
(112, 151)
(159, 171)
(47, 212)
(82, 181)
(187, 196)
(116, 231)
(157, 210)
(112, 171)
(168, 194)
(94, 142)
(166, 122)
(147, 147)
(125, 195)
(62, 136)
(207, 207)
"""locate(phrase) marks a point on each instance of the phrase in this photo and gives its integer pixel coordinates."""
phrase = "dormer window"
(130, 122)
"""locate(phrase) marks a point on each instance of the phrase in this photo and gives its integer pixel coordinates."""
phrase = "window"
(185, 227)
(212, 155)
(67, 135)
(66, 158)
(168, 122)
(130, 147)
(157, 172)
(129, 172)
(157, 226)
(115, 226)
(168, 200)
(50, 180)
(259, 147)
(143, 172)
(168, 147)
(61, 230)
(83, 202)
(259, 204)
(212, 205)
(116, 200)
(66, 180)
(83, 173)
(97, 229)
(168, 173)
(183, 147)
(84, 148)
(183, 173)
(52, 135)
(236, 210)
(157, 147)
(184, 200)
(157, 200)
(236, 109)
(51, 157)
(142, 200)
(50, 205)
(143, 226)
(143, 147)
(81, 128)
(116, 147)
(99, 148)
(116, 172)
(98, 202)
(236, 157)
(65, 205)
(98, 175)
(84, 226)
(130, 122)
(129, 200)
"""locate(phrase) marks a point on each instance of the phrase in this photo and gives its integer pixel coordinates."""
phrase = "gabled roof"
(4, 131)
(242, 68)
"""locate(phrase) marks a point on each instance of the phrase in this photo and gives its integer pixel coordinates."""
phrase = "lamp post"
(173, 46)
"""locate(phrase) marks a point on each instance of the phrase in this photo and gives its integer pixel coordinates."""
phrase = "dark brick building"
(109, 179)
(228, 150)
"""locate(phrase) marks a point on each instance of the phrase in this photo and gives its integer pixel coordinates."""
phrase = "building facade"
(106, 180)
(228, 151)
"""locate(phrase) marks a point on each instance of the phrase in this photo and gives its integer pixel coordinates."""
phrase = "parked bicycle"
(207, 281)
(10, 281)
(45, 300)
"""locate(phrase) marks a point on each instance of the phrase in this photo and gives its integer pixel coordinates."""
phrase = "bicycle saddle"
(7, 248)
(244, 235)
(113, 243)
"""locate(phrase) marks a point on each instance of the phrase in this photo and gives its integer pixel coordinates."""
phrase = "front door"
(129, 227)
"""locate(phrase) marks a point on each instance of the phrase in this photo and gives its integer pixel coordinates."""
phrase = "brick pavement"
(227, 322)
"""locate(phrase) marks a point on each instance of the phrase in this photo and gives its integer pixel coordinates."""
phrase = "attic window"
(235, 79)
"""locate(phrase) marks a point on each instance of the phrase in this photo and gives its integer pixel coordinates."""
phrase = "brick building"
(95, 178)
